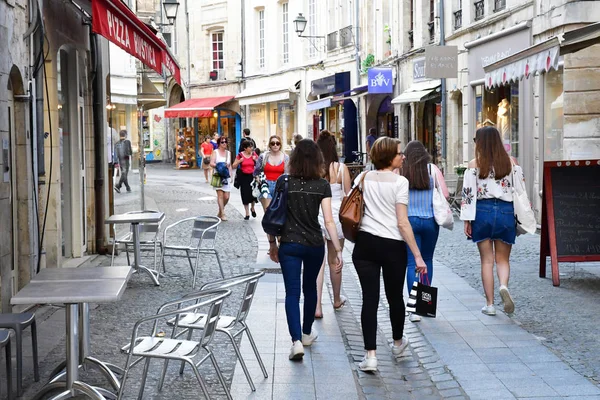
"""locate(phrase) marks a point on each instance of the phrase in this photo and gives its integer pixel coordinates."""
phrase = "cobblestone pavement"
(111, 324)
(565, 318)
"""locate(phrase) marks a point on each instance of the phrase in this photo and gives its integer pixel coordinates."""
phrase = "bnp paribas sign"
(441, 62)
(380, 80)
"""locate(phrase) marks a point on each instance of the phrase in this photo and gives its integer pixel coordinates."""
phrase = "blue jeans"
(291, 257)
(426, 232)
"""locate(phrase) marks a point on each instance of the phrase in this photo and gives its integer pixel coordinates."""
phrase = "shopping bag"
(441, 209)
(423, 298)
(352, 210)
(216, 181)
(276, 213)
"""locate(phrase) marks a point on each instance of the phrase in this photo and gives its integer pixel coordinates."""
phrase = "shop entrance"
(430, 135)
(385, 118)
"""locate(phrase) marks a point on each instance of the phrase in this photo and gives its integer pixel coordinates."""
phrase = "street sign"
(441, 62)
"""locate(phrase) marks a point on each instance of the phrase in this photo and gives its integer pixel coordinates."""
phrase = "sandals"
(253, 214)
(342, 304)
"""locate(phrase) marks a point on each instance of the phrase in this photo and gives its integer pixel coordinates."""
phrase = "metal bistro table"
(76, 288)
(135, 219)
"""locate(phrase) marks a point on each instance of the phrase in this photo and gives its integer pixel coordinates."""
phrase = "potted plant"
(367, 63)
(388, 30)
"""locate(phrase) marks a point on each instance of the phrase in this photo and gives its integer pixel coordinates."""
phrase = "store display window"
(553, 115)
(499, 107)
(286, 121)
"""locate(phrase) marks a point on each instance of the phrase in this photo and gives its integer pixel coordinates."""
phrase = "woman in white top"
(338, 176)
(385, 232)
(488, 212)
(222, 155)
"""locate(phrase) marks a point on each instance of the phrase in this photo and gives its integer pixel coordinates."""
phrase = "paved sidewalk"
(493, 357)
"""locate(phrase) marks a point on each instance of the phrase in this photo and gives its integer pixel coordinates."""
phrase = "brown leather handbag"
(352, 211)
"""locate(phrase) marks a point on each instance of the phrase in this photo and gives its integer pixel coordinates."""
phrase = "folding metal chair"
(152, 346)
(203, 239)
(455, 200)
(227, 324)
(149, 239)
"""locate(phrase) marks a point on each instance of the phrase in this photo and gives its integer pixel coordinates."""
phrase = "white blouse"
(475, 188)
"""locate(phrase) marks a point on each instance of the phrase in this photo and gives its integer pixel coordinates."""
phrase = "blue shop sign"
(380, 80)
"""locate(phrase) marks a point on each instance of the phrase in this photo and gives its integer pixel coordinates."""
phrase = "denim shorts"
(271, 188)
(494, 220)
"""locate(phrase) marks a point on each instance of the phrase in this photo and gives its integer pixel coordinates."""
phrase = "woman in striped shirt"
(417, 168)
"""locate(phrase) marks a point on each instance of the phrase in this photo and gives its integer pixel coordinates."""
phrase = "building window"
(412, 24)
(499, 5)
(261, 38)
(479, 10)
(285, 38)
(458, 15)
(217, 54)
(312, 25)
(431, 23)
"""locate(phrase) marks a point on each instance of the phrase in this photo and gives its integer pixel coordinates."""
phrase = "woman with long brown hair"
(301, 242)
(421, 175)
(488, 212)
(338, 176)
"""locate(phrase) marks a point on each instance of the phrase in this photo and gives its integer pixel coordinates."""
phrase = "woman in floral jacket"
(488, 212)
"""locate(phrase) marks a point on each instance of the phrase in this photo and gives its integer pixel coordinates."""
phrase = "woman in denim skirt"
(488, 212)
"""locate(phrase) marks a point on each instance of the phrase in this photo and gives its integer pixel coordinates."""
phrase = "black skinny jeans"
(371, 254)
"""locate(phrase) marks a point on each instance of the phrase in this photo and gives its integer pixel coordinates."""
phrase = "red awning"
(196, 108)
(171, 65)
(116, 22)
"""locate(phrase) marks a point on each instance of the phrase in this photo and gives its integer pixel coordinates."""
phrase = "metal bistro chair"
(456, 198)
(5, 342)
(18, 322)
(191, 321)
(203, 239)
(152, 346)
(149, 239)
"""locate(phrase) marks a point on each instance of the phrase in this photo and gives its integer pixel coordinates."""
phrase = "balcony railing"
(499, 5)
(346, 36)
(332, 42)
(431, 29)
(479, 10)
(457, 19)
(411, 39)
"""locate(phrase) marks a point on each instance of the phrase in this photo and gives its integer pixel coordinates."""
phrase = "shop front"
(271, 112)
(380, 110)
(209, 115)
(337, 114)
(507, 104)
(421, 109)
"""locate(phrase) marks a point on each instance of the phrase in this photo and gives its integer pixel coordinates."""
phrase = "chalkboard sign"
(570, 214)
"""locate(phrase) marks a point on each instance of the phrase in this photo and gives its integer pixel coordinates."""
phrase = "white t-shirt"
(382, 190)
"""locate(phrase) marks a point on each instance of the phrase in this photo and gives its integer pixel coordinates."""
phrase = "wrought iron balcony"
(499, 5)
(346, 36)
(479, 10)
(332, 42)
(411, 39)
(457, 19)
(431, 28)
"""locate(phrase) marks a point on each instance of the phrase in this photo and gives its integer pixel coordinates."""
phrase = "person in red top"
(273, 163)
(206, 149)
(247, 159)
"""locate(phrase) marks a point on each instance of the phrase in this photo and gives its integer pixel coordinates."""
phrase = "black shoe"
(247, 217)
(128, 190)
(253, 214)
(118, 190)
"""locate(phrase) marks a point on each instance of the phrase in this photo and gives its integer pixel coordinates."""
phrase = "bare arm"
(346, 180)
(408, 236)
(440, 180)
(213, 159)
(332, 230)
(238, 161)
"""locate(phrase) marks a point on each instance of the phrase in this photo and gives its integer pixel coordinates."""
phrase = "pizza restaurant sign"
(112, 22)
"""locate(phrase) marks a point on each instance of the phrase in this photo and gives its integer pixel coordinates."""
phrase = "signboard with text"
(441, 62)
(419, 69)
(380, 80)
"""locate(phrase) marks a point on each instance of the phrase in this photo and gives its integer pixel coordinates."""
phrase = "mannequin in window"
(502, 120)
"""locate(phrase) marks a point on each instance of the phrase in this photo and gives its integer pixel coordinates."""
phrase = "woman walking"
(273, 163)
(419, 171)
(206, 148)
(247, 159)
(221, 160)
(384, 234)
(338, 176)
(302, 240)
(488, 212)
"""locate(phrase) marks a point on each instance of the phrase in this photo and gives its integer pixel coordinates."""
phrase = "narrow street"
(460, 354)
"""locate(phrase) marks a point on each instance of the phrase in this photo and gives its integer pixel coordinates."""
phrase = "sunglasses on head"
(275, 143)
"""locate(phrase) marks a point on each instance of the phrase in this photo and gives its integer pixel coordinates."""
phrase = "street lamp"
(171, 7)
(300, 23)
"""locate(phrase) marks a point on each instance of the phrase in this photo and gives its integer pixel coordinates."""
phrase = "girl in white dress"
(338, 176)
(222, 154)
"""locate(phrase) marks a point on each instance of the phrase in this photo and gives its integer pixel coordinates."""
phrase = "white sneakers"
(489, 310)
(414, 317)
(509, 305)
(368, 364)
(307, 340)
(297, 350)
(398, 350)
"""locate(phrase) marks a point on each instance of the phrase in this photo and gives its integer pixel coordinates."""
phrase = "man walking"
(123, 153)
(246, 137)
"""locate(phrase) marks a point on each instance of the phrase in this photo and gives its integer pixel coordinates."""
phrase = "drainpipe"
(189, 72)
(99, 135)
(444, 101)
(357, 35)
